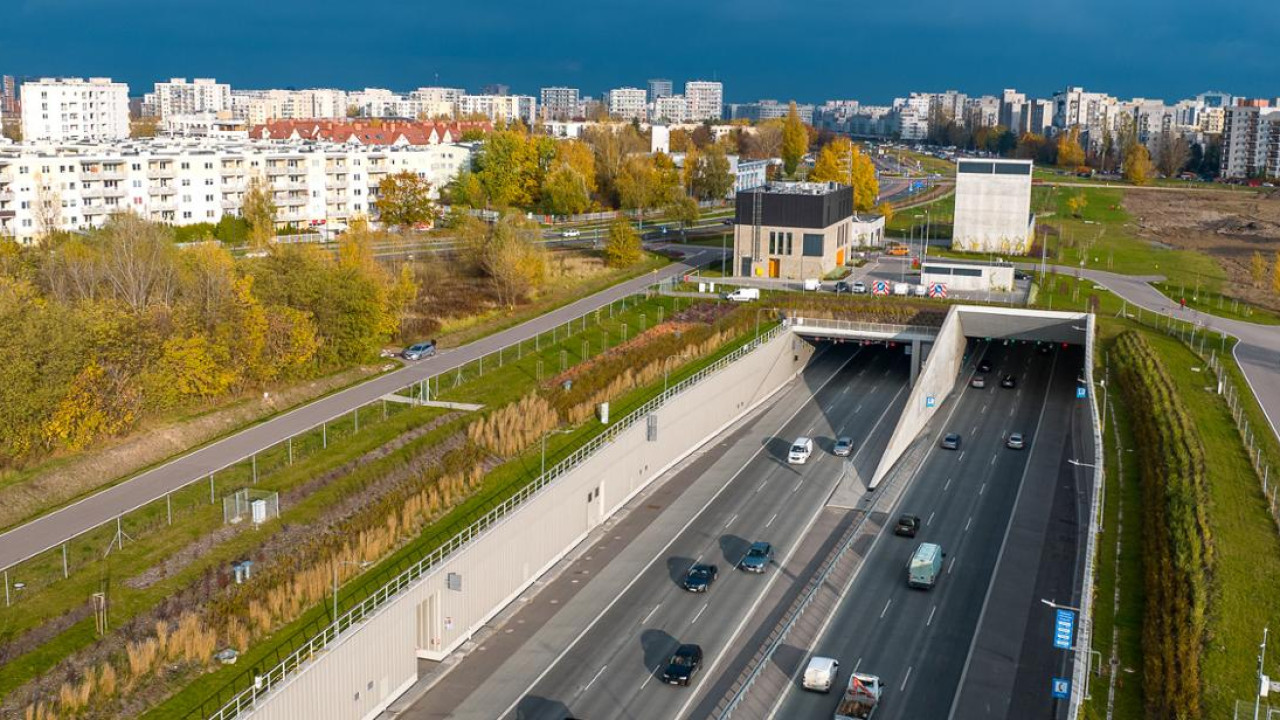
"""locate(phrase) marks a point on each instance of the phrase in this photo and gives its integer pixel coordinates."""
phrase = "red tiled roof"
(368, 132)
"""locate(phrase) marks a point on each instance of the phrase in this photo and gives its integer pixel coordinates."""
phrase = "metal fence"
(255, 685)
(1084, 643)
(920, 332)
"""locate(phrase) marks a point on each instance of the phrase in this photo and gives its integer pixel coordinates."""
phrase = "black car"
(1008, 381)
(843, 287)
(700, 577)
(951, 441)
(984, 366)
(684, 662)
(908, 526)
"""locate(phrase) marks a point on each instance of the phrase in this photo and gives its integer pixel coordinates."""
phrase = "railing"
(853, 326)
(263, 683)
(1084, 643)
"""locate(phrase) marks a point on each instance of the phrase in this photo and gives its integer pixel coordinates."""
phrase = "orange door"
(840, 258)
(773, 267)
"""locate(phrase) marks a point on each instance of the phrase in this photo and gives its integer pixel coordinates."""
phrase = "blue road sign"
(929, 401)
(1061, 688)
(1064, 626)
(1082, 392)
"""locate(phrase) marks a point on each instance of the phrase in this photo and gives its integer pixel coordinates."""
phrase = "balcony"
(161, 173)
(162, 190)
(295, 201)
(162, 206)
(91, 176)
(91, 192)
(231, 204)
(6, 195)
(95, 210)
(117, 192)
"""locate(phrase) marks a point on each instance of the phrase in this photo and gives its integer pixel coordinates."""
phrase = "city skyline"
(1032, 49)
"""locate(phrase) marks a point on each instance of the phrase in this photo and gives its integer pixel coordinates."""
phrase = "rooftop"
(798, 188)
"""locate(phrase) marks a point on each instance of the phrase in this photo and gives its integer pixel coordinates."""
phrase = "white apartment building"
(982, 112)
(320, 186)
(434, 102)
(500, 108)
(913, 116)
(559, 103)
(179, 97)
(74, 109)
(627, 103)
(1250, 142)
(671, 108)
(660, 88)
(256, 107)
(706, 100)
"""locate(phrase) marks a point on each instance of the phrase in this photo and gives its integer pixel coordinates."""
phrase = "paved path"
(1258, 351)
(68, 522)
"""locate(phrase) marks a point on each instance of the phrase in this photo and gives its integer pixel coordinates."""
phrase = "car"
(984, 366)
(1008, 381)
(700, 577)
(684, 662)
(417, 351)
(820, 674)
(859, 288)
(1015, 441)
(1020, 275)
(800, 451)
(843, 446)
(757, 557)
(978, 382)
(843, 287)
(907, 525)
(951, 441)
(727, 221)
(570, 233)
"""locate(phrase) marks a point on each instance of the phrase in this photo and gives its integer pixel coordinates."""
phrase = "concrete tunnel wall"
(366, 670)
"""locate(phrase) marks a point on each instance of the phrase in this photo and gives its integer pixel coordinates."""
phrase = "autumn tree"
(623, 247)
(684, 210)
(680, 140)
(841, 161)
(47, 210)
(1137, 165)
(145, 127)
(259, 210)
(886, 210)
(711, 178)
(795, 141)
(138, 264)
(1070, 154)
(508, 253)
(565, 192)
(1077, 203)
(1275, 274)
(638, 184)
(1171, 153)
(404, 201)
(1257, 269)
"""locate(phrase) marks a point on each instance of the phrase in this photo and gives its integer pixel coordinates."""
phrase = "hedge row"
(1177, 544)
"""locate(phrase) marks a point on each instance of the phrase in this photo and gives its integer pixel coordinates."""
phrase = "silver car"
(1015, 441)
(843, 446)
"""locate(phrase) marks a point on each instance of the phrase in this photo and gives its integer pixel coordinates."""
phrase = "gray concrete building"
(967, 275)
(993, 206)
(792, 230)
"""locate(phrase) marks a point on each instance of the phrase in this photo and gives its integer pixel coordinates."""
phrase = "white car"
(801, 449)
(570, 233)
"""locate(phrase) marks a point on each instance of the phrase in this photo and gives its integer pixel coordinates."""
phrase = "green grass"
(1217, 304)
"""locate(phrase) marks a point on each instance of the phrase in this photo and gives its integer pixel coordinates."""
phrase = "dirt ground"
(1229, 226)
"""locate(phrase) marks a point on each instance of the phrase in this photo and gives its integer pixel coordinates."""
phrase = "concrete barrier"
(361, 672)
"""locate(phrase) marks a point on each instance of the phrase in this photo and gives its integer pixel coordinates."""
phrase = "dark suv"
(684, 662)
(700, 577)
(908, 526)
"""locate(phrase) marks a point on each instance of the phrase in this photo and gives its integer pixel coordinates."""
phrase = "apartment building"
(313, 185)
(179, 97)
(500, 108)
(627, 103)
(559, 103)
(769, 110)
(982, 112)
(74, 109)
(660, 88)
(1250, 142)
(671, 109)
(256, 107)
(706, 100)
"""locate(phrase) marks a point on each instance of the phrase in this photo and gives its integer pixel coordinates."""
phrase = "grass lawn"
(941, 214)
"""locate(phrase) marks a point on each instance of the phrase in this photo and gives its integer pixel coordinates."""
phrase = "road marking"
(903, 687)
(1015, 407)
(593, 680)
(993, 459)
(797, 487)
(831, 407)
(857, 409)
(967, 523)
(651, 674)
(886, 607)
(857, 665)
(930, 520)
(775, 517)
(984, 409)
(735, 517)
(845, 391)
(695, 617)
(651, 612)
(974, 431)
(762, 484)
(947, 486)
(951, 564)
(930, 620)
(983, 488)
(961, 458)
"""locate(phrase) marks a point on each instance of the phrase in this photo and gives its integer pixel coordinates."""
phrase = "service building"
(993, 207)
(792, 230)
(968, 275)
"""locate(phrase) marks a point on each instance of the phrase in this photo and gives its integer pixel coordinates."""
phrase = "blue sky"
(814, 50)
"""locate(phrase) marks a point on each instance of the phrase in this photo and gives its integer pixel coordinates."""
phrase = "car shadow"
(733, 549)
(678, 568)
(787, 658)
(657, 646)
(532, 707)
(778, 448)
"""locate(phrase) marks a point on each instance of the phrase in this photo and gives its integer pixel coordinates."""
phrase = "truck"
(861, 697)
(925, 566)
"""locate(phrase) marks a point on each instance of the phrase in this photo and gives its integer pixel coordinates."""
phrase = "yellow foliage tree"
(1070, 153)
(795, 141)
(87, 412)
(841, 161)
(1137, 165)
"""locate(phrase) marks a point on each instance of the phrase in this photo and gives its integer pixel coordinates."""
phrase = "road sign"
(1082, 392)
(938, 290)
(1061, 688)
(1064, 626)
(880, 287)
(929, 401)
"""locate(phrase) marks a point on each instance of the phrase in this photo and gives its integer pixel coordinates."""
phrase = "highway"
(50, 531)
(917, 641)
(612, 668)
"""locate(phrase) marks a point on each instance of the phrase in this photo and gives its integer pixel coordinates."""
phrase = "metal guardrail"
(1083, 656)
(264, 683)
(863, 327)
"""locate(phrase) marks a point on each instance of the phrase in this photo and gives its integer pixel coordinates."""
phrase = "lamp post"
(362, 564)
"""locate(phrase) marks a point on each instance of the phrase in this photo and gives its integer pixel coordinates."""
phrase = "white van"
(925, 566)
(821, 673)
(801, 449)
(813, 284)
(901, 289)
(743, 295)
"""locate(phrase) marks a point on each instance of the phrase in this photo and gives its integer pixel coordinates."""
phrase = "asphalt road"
(614, 670)
(53, 529)
(917, 641)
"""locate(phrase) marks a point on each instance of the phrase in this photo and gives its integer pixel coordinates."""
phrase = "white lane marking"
(886, 607)
(929, 521)
(983, 488)
(967, 523)
(974, 431)
(930, 620)
(993, 459)
(951, 564)
(1015, 407)
(947, 486)
(735, 517)
(961, 458)
(775, 517)
(651, 612)
(593, 680)
(797, 487)
(903, 687)
(984, 410)
(857, 665)
(762, 484)
(831, 407)
(857, 409)
(845, 391)
(652, 672)
(695, 617)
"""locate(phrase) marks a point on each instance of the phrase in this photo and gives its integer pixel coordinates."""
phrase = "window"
(813, 243)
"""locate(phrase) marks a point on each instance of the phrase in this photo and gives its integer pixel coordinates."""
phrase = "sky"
(809, 51)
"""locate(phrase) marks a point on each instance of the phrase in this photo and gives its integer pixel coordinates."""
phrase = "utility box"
(258, 510)
(604, 413)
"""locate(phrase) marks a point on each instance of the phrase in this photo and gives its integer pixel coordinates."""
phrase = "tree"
(795, 141)
(1070, 154)
(1275, 274)
(680, 140)
(886, 210)
(841, 161)
(578, 155)
(259, 210)
(1033, 146)
(565, 192)
(712, 179)
(1077, 203)
(12, 130)
(1172, 152)
(1137, 165)
(144, 127)
(684, 210)
(138, 263)
(1257, 269)
(404, 201)
(623, 247)
(48, 208)
(506, 166)
(507, 252)
(637, 184)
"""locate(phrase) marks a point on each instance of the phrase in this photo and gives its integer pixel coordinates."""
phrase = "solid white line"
(886, 607)
(735, 517)
(651, 673)
(930, 520)
(857, 665)
(593, 680)
(695, 617)
(903, 687)
(967, 523)
(930, 620)
(651, 612)
(775, 517)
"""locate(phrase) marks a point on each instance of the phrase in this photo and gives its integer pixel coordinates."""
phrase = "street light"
(362, 565)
